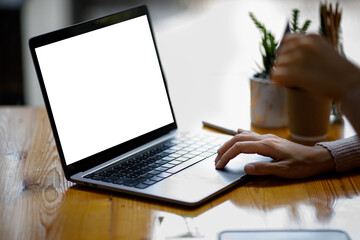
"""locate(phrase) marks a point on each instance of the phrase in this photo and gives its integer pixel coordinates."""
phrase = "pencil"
(219, 128)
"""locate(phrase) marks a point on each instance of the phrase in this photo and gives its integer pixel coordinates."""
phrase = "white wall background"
(208, 46)
(38, 17)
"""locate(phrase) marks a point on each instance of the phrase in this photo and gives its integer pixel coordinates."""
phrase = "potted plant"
(268, 101)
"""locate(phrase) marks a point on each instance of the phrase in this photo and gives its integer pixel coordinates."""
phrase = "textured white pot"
(268, 104)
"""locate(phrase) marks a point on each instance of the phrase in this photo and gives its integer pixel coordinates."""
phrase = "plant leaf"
(267, 47)
(294, 23)
(305, 26)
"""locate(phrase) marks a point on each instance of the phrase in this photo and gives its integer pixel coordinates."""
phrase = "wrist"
(323, 159)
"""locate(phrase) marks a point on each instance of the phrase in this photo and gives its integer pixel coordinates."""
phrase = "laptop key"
(141, 186)
(162, 162)
(153, 172)
(162, 154)
(175, 162)
(104, 174)
(135, 181)
(154, 165)
(156, 179)
(149, 182)
(189, 155)
(120, 175)
(181, 159)
(109, 179)
(97, 177)
(164, 175)
(122, 180)
(174, 155)
(168, 165)
(168, 158)
(147, 176)
(170, 151)
(161, 169)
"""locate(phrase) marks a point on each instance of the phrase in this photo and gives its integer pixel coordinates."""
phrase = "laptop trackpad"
(203, 179)
(234, 170)
(238, 163)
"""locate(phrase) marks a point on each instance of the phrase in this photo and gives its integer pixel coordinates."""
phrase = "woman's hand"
(291, 160)
(310, 62)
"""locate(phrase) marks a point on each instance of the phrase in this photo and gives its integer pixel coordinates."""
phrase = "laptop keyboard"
(160, 162)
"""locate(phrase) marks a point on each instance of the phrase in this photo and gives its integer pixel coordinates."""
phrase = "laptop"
(111, 115)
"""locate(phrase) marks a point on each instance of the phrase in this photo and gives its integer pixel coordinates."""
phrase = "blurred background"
(206, 45)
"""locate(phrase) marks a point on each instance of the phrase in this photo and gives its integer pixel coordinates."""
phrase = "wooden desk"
(36, 202)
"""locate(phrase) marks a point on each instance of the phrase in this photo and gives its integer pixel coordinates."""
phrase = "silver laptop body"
(108, 103)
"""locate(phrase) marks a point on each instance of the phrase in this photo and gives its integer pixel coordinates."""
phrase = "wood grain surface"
(37, 202)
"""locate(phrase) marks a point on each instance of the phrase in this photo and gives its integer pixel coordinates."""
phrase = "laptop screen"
(105, 87)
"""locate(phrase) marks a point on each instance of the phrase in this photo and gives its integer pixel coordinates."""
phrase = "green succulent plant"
(267, 48)
(269, 45)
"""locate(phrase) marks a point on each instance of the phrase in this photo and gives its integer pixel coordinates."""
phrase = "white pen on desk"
(219, 128)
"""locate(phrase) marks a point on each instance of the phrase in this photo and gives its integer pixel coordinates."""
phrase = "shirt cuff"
(346, 153)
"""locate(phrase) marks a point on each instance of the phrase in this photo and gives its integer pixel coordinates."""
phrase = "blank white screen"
(105, 87)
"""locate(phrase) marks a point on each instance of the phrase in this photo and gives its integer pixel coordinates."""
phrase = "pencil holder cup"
(308, 116)
(268, 104)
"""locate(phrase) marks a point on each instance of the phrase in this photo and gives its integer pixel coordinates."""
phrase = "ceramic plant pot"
(268, 104)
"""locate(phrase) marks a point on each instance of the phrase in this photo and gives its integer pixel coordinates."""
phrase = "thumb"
(262, 168)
